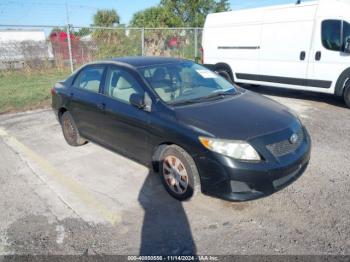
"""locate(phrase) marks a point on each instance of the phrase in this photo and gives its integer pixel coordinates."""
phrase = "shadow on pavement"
(165, 229)
(297, 94)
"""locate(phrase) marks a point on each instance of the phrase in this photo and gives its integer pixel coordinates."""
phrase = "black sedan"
(198, 131)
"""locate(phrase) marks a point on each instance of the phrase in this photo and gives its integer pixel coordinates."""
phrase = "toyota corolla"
(199, 132)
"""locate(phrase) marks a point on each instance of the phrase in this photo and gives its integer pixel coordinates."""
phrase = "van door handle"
(318, 56)
(302, 55)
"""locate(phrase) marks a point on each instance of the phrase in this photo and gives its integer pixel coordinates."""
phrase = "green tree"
(155, 17)
(113, 42)
(84, 31)
(58, 29)
(178, 13)
(193, 13)
(222, 5)
(106, 17)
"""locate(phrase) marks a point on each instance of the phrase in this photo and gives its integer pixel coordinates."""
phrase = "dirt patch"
(238, 206)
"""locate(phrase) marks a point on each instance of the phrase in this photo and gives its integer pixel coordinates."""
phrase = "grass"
(20, 91)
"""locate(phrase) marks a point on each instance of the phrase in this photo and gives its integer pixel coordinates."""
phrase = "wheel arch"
(60, 112)
(158, 150)
(225, 66)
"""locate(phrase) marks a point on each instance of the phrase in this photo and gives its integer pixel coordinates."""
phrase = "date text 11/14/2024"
(173, 258)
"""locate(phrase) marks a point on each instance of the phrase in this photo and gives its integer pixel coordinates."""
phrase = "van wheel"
(347, 96)
(70, 130)
(225, 74)
(179, 173)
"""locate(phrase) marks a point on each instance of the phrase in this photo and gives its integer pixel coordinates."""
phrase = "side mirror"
(137, 100)
(347, 45)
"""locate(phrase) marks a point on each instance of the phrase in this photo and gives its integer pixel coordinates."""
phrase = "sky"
(53, 12)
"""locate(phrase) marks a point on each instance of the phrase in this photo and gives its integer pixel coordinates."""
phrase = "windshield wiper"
(219, 94)
(184, 102)
(215, 95)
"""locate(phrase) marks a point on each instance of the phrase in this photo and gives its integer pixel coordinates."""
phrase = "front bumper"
(234, 180)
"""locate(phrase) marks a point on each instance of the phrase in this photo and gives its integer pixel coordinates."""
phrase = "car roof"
(143, 61)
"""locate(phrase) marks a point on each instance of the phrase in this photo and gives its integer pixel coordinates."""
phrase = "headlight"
(231, 148)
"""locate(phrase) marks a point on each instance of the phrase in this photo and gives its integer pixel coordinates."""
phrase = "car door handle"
(302, 55)
(318, 56)
(102, 106)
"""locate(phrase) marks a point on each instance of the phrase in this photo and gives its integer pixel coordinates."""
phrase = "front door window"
(331, 35)
(120, 85)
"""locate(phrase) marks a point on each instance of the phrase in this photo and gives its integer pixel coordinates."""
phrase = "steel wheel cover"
(175, 174)
(68, 129)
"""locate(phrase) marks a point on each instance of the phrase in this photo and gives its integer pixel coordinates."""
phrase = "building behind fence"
(40, 47)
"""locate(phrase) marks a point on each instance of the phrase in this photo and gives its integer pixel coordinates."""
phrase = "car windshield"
(185, 82)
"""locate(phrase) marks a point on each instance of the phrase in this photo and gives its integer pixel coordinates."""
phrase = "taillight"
(53, 91)
(202, 55)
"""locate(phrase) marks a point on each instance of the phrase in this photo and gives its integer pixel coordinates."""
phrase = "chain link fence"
(34, 58)
(37, 48)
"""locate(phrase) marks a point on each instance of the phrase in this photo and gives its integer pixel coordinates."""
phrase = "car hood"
(241, 117)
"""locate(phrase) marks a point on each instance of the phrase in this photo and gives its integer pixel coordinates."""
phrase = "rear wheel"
(70, 130)
(179, 173)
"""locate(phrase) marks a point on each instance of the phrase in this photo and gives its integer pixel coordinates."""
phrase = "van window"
(346, 33)
(331, 34)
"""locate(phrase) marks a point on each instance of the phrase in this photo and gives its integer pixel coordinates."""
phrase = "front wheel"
(347, 96)
(179, 173)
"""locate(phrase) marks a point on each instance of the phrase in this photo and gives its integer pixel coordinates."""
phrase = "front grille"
(286, 147)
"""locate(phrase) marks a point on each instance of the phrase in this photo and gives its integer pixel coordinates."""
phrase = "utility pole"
(67, 13)
(69, 40)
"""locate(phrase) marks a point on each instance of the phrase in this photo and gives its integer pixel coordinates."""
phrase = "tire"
(346, 92)
(70, 130)
(176, 164)
(346, 96)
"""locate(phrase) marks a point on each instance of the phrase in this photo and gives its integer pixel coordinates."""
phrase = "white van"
(304, 46)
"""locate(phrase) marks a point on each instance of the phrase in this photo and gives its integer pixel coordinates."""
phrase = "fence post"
(70, 48)
(195, 44)
(143, 41)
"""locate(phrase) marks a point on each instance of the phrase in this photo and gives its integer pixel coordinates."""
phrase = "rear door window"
(89, 78)
(331, 34)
